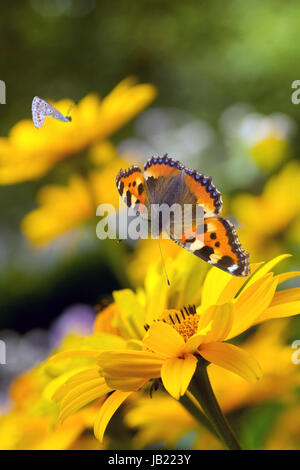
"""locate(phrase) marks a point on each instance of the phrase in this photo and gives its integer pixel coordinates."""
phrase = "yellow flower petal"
(74, 353)
(164, 339)
(286, 296)
(80, 389)
(284, 304)
(215, 282)
(235, 284)
(126, 363)
(220, 319)
(156, 291)
(81, 396)
(56, 385)
(220, 287)
(176, 374)
(125, 101)
(266, 268)
(193, 343)
(286, 276)
(126, 384)
(232, 358)
(61, 208)
(132, 313)
(251, 303)
(109, 407)
(73, 379)
(103, 153)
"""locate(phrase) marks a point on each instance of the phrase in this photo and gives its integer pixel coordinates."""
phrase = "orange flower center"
(184, 321)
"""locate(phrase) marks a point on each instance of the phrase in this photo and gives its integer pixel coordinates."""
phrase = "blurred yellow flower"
(161, 419)
(175, 339)
(280, 376)
(146, 251)
(269, 152)
(272, 214)
(20, 430)
(63, 208)
(266, 138)
(28, 153)
(24, 429)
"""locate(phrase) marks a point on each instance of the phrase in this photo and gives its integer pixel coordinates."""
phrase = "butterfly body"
(167, 181)
(42, 109)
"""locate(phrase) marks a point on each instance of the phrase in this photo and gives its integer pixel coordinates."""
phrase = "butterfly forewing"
(170, 181)
(132, 189)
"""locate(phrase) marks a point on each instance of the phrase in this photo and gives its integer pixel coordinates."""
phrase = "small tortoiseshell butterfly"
(168, 181)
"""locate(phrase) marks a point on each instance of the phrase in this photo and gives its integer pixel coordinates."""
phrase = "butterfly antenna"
(163, 263)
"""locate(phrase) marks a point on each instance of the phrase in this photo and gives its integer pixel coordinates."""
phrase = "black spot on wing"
(225, 262)
(140, 188)
(204, 252)
(128, 198)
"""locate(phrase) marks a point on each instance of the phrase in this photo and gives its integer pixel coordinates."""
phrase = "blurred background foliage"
(223, 71)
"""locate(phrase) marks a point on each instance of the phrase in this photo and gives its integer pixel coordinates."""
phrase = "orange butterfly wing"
(132, 188)
(217, 244)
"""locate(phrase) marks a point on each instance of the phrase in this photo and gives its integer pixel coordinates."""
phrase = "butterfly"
(41, 109)
(168, 181)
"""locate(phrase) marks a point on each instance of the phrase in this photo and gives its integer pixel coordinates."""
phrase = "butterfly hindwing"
(131, 187)
(218, 244)
(38, 114)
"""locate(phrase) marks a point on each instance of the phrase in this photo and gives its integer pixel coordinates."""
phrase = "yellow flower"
(146, 251)
(175, 339)
(163, 419)
(280, 376)
(171, 348)
(266, 139)
(62, 208)
(29, 153)
(23, 428)
(272, 214)
(104, 322)
(160, 419)
(20, 430)
(269, 152)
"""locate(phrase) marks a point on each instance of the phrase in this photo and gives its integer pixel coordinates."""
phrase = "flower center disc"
(185, 321)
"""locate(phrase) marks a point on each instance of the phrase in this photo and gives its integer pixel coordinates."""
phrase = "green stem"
(201, 389)
(192, 406)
